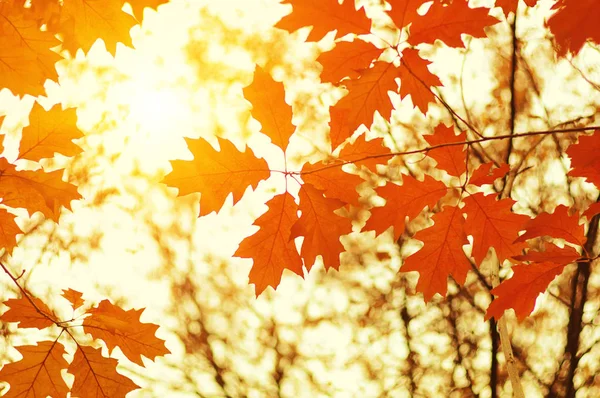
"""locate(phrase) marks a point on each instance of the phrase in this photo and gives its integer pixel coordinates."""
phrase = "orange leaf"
(38, 373)
(557, 225)
(347, 59)
(96, 376)
(216, 174)
(485, 175)
(521, 291)
(8, 230)
(26, 60)
(336, 183)
(585, 161)
(85, 21)
(449, 158)
(339, 130)
(27, 314)
(366, 153)
(49, 132)
(321, 228)
(35, 190)
(552, 254)
(448, 22)
(574, 23)
(271, 247)
(403, 201)
(269, 107)
(442, 254)
(137, 6)
(492, 224)
(404, 12)
(325, 16)
(74, 297)
(592, 210)
(123, 329)
(511, 5)
(416, 79)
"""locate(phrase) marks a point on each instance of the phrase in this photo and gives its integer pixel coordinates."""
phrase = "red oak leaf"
(49, 132)
(28, 312)
(366, 153)
(216, 174)
(96, 376)
(8, 230)
(557, 225)
(123, 329)
(449, 22)
(336, 183)
(585, 161)
(552, 254)
(270, 247)
(416, 79)
(268, 107)
(74, 297)
(339, 129)
(325, 16)
(407, 200)
(485, 175)
(442, 254)
(449, 158)
(521, 291)
(404, 12)
(320, 227)
(492, 224)
(38, 373)
(138, 6)
(574, 23)
(511, 5)
(592, 210)
(347, 59)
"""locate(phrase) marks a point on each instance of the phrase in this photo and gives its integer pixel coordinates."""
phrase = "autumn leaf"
(492, 224)
(442, 254)
(320, 227)
(74, 297)
(29, 312)
(585, 161)
(49, 132)
(347, 59)
(325, 16)
(96, 376)
(123, 329)
(407, 200)
(137, 6)
(484, 174)
(366, 153)
(268, 107)
(216, 174)
(38, 373)
(449, 158)
(558, 225)
(335, 182)
(551, 253)
(8, 230)
(592, 210)
(573, 24)
(35, 190)
(449, 22)
(404, 12)
(511, 5)
(26, 60)
(339, 130)
(521, 291)
(270, 247)
(416, 80)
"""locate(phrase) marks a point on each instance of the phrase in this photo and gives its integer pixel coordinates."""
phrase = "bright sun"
(155, 110)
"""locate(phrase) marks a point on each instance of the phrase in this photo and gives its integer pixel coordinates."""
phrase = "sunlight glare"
(154, 110)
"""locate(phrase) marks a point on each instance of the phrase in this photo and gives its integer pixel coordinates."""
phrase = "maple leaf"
(85, 21)
(521, 291)
(347, 59)
(123, 329)
(320, 227)
(551, 253)
(335, 182)
(74, 297)
(450, 158)
(366, 153)
(573, 24)
(584, 158)
(442, 254)
(368, 94)
(492, 224)
(268, 107)
(557, 225)
(403, 201)
(325, 16)
(38, 373)
(448, 22)
(404, 12)
(511, 5)
(592, 210)
(216, 174)
(485, 175)
(35, 190)
(96, 376)
(26, 60)
(8, 230)
(29, 312)
(271, 247)
(137, 6)
(339, 131)
(49, 132)
(416, 79)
